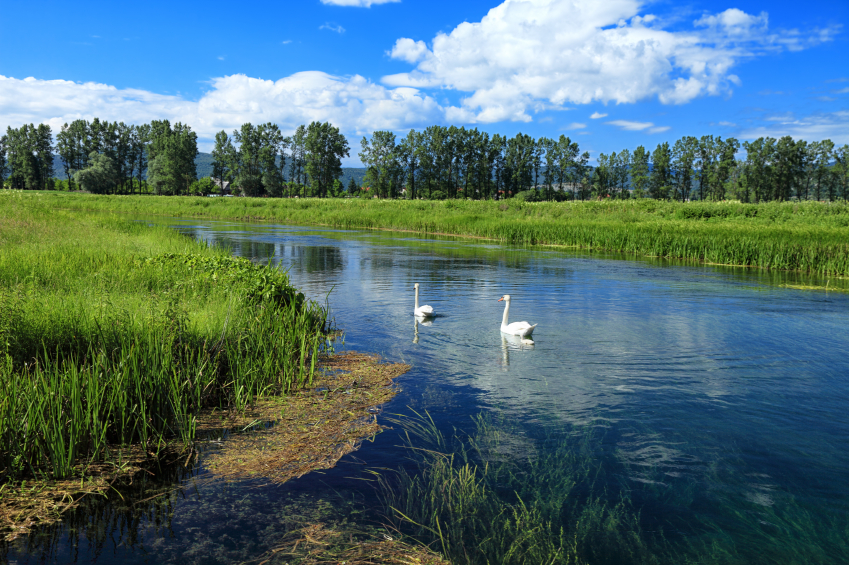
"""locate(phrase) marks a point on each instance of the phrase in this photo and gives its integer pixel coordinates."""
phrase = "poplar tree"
(325, 146)
(640, 178)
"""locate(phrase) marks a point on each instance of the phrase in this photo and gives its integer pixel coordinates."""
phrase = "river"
(722, 398)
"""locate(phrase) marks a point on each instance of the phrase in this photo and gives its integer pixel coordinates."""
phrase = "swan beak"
(500, 299)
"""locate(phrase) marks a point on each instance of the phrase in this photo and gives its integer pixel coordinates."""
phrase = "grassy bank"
(808, 237)
(115, 334)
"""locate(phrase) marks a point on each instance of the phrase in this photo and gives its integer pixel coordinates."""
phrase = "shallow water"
(721, 394)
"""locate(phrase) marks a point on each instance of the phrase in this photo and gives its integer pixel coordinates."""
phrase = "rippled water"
(707, 380)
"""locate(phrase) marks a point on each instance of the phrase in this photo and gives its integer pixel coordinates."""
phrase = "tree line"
(436, 163)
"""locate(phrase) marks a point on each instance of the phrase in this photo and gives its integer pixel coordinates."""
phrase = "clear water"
(722, 392)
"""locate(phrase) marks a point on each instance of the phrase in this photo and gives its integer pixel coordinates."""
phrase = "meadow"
(807, 237)
(114, 333)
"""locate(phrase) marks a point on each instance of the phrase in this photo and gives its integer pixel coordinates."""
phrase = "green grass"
(808, 237)
(551, 493)
(115, 333)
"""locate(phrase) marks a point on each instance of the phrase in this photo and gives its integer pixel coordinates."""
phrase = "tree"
(2, 160)
(841, 169)
(409, 155)
(758, 168)
(223, 158)
(353, 189)
(325, 146)
(299, 151)
(640, 171)
(174, 150)
(661, 174)
(683, 163)
(100, 177)
(380, 156)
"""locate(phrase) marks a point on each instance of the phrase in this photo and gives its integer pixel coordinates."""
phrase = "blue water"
(704, 377)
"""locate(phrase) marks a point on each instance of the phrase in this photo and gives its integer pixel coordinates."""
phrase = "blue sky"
(611, 75)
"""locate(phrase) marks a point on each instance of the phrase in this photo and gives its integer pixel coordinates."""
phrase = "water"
(722, 397)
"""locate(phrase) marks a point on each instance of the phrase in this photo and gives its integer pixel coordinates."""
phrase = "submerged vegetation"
(115, 335)
(556, 493)
(808, 237)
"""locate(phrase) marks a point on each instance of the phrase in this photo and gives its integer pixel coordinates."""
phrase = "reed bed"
(809, 237)
(114, 333)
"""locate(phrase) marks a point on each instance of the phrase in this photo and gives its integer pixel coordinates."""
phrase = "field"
(808, 237)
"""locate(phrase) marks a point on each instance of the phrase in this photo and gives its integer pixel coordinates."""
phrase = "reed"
(115, 333)
(809, 237)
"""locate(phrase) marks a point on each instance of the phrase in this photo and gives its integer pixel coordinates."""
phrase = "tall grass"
(115, 333)
(809, 237)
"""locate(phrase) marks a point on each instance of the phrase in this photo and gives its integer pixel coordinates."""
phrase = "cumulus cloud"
(357, 3)
(527, 52)
(830, 125)
(353, 104)
(597, 115)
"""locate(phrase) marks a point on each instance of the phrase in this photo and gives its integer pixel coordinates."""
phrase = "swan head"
(416, 286)
(505, 298)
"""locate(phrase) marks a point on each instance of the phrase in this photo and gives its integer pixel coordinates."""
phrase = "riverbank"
(808, 237)
(123, 344)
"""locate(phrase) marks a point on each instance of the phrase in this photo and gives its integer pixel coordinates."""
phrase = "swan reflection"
(425, 321)
(515, 343)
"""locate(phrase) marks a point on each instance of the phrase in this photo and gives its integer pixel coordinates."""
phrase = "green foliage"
(100, 177)
(204, 186)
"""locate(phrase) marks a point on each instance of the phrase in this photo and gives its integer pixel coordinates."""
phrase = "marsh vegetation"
(808, 237)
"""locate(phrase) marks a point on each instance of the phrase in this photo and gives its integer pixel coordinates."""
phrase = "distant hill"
(203, 162)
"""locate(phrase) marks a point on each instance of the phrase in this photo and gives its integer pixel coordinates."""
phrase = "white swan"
(422, 311)
(522, 329)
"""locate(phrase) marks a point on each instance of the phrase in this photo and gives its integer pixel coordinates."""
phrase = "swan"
(422, 311)
(522, 329)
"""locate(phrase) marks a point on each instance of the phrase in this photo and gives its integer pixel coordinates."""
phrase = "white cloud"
(357, 3)
(842, 91)
(728, 124)
(332, 27)
(816, 127)
(627, 125)
(408, 50)
(526, 52)
(597, 115)
(576, 125)
(353, 104)
(659, 129)
(286, 42)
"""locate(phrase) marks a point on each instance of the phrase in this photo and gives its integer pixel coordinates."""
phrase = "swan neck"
(506, 312)
(417, 298)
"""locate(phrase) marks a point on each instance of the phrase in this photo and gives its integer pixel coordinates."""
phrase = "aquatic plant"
(552, 493)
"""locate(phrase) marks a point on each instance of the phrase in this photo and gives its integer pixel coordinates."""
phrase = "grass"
(117, 334)
(808, 237)
(551, 493)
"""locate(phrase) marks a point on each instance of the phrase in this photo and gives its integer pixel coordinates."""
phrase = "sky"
(610, 74)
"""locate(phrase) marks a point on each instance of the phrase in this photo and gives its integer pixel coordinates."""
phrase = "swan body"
(421, 311)
(521, 329)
